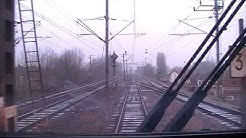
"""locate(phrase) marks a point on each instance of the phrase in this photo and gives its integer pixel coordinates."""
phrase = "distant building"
(174, 72)
(173, 75)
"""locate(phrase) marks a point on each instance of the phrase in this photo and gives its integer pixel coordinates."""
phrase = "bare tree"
(147, 70)
(48, 59)
(98, 69)
(205, 67)
(70, 66)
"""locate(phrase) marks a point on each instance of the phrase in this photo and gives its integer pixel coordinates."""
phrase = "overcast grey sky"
(157, 18)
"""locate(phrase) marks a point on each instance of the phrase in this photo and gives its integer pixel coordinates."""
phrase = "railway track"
(57, 108)
(38, 103)
(24, 103)
(227, 116)
(131, 114)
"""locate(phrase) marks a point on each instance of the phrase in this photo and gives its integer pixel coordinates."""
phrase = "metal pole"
(219, 82)
(134, 28)
(145, 62)
(124, 67)
(243, 87)
(106, 42)
(90, 70)
(114, 70)
(145, 57)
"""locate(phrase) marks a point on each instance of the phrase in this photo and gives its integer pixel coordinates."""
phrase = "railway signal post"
(113, 60)
(90, 69)
(124, 66)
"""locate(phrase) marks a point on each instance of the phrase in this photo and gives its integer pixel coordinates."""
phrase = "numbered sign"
(238, 65)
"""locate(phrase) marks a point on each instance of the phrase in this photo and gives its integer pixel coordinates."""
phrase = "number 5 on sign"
(238, 65)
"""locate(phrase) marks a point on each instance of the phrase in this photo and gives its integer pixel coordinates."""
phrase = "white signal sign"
(238, 65)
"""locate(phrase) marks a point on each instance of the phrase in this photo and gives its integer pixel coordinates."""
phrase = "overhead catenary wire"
(121, 30)
(198, 18)
(68, 16)
(52, 43)
(134, 29)
(103, 18)
(183, 47)
(89, 29)
(181, 36)
(194, 27)
(119, 44)
(60, 11)
(176, 26)
(180, 48)
(162, 37)
(82, 24)
(59, 27)
(54, 34)
(172, 41)
(167, 33)
(20, 38)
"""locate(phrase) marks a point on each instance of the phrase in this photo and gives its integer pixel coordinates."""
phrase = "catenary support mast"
(106, 43)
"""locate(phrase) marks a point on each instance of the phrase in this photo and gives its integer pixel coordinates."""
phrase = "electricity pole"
(90, 69)
(126, 69)
(106, 43)
(146, 51)
(113, 60)
(124, 66)
(106, 40)
(216, 8)
(216, 13)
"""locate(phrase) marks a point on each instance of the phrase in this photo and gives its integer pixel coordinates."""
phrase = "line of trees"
(61, 71)
(159, 72)
(147, 70)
